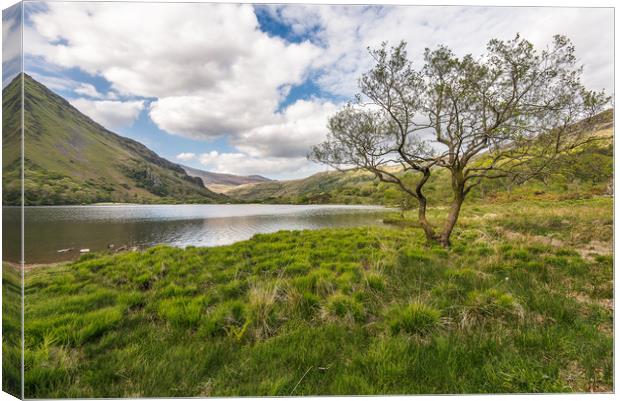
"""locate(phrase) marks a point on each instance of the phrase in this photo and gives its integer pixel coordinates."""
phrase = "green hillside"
(581, 174)
(70, 159)
(326, 187)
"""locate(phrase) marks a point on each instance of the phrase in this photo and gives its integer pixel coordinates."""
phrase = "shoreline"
(204, 204)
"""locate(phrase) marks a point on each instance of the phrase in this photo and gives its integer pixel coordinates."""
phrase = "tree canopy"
(506, 114)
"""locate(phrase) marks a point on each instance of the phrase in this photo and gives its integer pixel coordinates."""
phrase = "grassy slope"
(11, 331)
(337, 311)
(578, 175)
(351, 187)
(71, 159)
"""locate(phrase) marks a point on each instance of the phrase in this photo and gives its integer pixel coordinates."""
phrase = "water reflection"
(49, 229)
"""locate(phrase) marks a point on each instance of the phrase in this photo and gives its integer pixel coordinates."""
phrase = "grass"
(335, 311)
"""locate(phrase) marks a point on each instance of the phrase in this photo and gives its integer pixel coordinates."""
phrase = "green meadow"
(521, 302)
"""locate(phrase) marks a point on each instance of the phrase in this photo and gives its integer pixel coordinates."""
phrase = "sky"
(246, 89)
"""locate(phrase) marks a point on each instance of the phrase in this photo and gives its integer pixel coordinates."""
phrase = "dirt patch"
(584, 298)
(539, 239)
(587, 252)
(595, 248)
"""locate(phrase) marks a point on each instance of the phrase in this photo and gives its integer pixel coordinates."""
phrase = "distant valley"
(220, 182)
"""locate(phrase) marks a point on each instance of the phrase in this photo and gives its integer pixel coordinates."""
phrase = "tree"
(507, 114)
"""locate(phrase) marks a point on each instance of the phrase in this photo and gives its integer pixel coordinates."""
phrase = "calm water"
(51, 228)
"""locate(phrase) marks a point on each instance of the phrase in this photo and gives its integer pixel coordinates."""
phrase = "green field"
(522, 302)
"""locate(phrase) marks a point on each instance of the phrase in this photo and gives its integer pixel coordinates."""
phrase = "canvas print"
(218, 199)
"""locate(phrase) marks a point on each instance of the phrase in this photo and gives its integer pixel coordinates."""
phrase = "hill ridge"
(71, 159)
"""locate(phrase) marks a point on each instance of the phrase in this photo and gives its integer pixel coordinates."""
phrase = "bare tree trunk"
(451, 220)
(426, 226)
(458, 187)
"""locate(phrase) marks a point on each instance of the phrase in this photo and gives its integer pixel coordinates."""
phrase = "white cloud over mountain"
(110, 113)
(211, 72)
(210, 67)
(242, 164)
(11, 43)
(186, 156)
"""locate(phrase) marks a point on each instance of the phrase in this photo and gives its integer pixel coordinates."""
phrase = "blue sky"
(143, 129)
(248, 89)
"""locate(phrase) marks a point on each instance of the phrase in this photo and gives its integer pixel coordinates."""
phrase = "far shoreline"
(206, 204)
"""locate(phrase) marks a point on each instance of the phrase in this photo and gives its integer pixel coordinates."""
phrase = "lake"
(52, 228)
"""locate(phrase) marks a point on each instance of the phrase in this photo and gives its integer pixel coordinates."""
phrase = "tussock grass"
(415, 318)
(378, 310)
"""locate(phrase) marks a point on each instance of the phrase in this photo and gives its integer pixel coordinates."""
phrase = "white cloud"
(11, 43)
(347, 31)
(212, 72)
(186, 156)
(273, 167)
(55, 82)
(87, 90)
(291, 133)
(109, 113)
(211, 68)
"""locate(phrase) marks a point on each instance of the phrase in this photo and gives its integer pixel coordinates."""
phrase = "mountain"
(70, 159)
(222, 183)
(349, 187)
(588, 171)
